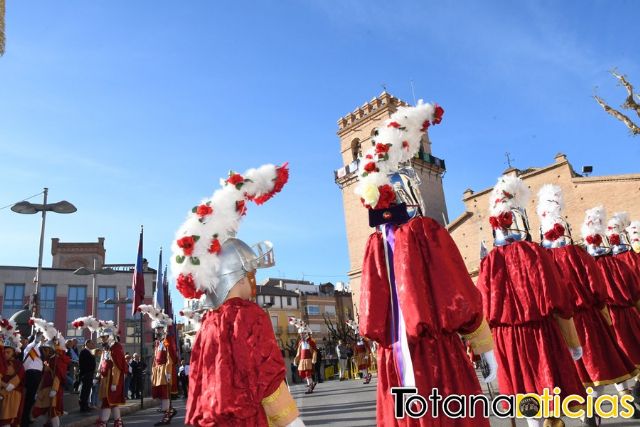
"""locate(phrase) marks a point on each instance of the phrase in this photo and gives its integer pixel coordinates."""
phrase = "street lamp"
(29, 208)
(82, 271)
(118, 302)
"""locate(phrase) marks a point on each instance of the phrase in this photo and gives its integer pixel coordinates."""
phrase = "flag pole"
(142, 359)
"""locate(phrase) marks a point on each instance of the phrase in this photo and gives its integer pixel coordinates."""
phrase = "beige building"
(355, 131)
(615, 192)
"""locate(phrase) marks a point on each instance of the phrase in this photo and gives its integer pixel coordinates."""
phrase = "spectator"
(319, 366)
(33, 374)
(97, 355)
(183, 376)
(71, 384)
(87, 371)
(138, 368)
(127, 375)
(341, 352)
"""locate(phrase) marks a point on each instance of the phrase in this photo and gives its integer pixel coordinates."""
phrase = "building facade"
(355, 131)
(615, 192)
(65, 296)
(280, 304)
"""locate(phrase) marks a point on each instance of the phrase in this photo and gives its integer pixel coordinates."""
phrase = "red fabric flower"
(235, 179)
(554, 233)
(504, 220)
(186, 244)
(425, 126)
(394, 125)
(387, 197)
(204, 210)
(437, 115)
(382, 148)
(595, 239)
(282, 177)
(405, 145)
(241, 207)
(368, 157)
(187, 286)
(215, 246)
(370, 167)
(614, 239)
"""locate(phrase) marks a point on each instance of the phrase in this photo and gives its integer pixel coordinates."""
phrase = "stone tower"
(355, 131)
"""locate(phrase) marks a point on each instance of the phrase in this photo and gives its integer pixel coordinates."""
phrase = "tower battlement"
(383, 101)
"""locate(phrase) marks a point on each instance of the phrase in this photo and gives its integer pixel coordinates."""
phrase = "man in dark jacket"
(87, 371)
(137, 373)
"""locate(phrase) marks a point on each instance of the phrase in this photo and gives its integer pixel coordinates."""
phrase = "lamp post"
(82, 271)
(62, 207)
(118, 302)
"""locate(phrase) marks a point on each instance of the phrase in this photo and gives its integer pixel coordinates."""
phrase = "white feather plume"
(510, 192)
(88, 322)
(47, 328)
(193, 317)
(634, 231)
(550, 205)
(617, 224)
(594, 222)
(155, 314)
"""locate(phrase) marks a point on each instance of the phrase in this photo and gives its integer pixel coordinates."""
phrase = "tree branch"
(629, 103)
(635, 130)
(2, 13)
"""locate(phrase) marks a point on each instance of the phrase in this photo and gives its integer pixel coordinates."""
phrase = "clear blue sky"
(134, 110)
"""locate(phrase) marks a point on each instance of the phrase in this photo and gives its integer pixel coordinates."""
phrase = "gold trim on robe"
(280, 407)
(481, 340)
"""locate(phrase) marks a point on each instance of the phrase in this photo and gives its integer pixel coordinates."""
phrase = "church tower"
(355, 131)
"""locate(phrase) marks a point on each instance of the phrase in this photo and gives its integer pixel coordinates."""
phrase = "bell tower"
(355, 131)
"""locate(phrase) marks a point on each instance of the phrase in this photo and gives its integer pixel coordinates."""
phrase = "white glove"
(10, 387)
(113, 387)
(490, 358)
(53, 393)
(296, 423)
(576, 352)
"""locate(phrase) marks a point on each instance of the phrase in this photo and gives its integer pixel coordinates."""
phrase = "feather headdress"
(549, 209)
(509, 193)
(593, 226)
(49, 332)
(89, 322)
(192, 316)
(397, 141)
(157, 316)
(195, 262)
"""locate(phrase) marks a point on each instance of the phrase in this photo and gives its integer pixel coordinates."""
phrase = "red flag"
(138, 280)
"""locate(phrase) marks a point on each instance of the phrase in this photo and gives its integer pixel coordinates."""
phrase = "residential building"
(280, 304)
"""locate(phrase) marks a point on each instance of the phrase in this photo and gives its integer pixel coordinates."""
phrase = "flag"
(138, 280)
(158, 294)
(165, 288)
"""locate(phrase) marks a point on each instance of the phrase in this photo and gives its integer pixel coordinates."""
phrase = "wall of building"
(615, 192)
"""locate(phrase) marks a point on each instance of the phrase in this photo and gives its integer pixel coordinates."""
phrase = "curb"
(90, 419)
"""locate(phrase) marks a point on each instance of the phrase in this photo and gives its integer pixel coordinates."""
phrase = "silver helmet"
(237, 259)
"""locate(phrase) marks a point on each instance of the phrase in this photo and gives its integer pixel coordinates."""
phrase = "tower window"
(356, 149)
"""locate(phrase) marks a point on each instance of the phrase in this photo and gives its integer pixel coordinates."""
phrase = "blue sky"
(134, 110)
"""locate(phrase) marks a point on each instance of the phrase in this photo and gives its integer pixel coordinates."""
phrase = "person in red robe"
(622, 286)
(603, 362)
(49, 402)
(363, 360)
(11, 379)
(528, 309)
(165, 361)
(112, 370)
(306, 357)
(237, 373)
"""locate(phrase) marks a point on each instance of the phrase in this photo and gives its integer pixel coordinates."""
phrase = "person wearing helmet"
(112, 369)
(237, 370)
(12, 376)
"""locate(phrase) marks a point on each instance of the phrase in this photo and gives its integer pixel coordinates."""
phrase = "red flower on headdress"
(614, 239)
(405, 145)
(594, 239)
(504, 220)
(235, 179)
(425, 126)
(241, 207)
(204, 210)
(186, 243)
(187, 286)
(555, 233)
(370, 167)
(394, 125)
(31, 322)
(437, 115)
(387, 197)
(282, 177)
(382, 148)
(368, 157)
(215, 246)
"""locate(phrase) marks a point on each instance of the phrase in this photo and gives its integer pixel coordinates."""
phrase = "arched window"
(356, 149)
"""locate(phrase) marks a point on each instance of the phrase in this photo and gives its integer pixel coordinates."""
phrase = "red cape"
(235, 363)
(438, 301)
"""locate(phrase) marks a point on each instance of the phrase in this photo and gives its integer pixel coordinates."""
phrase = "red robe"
(521, 291)
(305, 358)
(631, 258)
(438, 301)
(361, 354)
(112, 372)
(603, 362)
(623, 293)
(12, 402)
(164, 362)
(54, 375)
(235, 363)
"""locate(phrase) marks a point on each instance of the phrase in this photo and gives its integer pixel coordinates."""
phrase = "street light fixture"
(24, 207)
(118, 301)
(82, 271)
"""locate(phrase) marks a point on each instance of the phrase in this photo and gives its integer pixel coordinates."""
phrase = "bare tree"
(339, 331)
(2, 9)
(629, 104)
